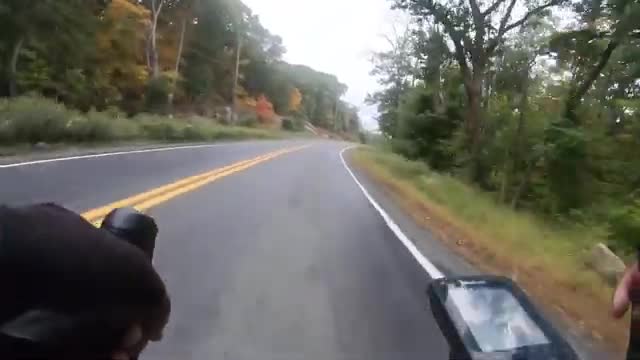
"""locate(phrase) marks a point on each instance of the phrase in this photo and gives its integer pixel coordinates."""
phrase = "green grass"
(30, 120)
(514, 233)
(508, 242)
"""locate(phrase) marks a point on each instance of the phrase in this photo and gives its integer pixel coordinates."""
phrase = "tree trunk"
(236, 74)
(153, 48)
(183, 30)
(523, 185)
(578, 92)
(506, 177)
(473, 126)
(12, 70)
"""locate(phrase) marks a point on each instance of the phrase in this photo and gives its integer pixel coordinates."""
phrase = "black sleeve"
(52, 258)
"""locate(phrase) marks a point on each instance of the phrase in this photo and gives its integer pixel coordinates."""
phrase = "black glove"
(51, 259)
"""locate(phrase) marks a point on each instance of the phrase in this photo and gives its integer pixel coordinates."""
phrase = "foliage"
(517, 244)
(625, 226)
(157, 95)
(160, 56)
(264, 110)
(542, 115)
(34, 119)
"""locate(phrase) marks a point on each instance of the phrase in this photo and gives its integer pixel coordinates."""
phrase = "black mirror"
(489, 317)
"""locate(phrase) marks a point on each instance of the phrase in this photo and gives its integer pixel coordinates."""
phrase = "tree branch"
(160, 6)
(505, 19)
(459, 38)
(531, 13)
(493, 44)
(478, 23)
(476, 14)
(460, 55)
(492, 8)
(576, 95)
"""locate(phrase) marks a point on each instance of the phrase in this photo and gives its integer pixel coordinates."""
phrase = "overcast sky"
(333, 36)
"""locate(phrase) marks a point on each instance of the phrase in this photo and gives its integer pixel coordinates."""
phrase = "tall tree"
(395, 69)
(155, 7)
(476, 30)
(31, 23)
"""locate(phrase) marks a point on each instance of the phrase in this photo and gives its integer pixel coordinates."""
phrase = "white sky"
(333, 36)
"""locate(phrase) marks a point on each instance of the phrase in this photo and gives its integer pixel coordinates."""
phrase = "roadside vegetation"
(542, 114)
(519, 122)
(547, 258)
(106, 65)
(28, 120)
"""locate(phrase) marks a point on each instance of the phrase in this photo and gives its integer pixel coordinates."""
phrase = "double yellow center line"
(146, 200)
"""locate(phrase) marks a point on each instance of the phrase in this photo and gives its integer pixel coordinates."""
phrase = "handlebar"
(45, 334)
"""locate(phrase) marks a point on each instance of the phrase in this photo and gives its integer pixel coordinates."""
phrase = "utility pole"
(335, 116)
(236, 75)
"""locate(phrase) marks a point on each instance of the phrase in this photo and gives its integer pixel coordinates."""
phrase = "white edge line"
(91, 156)
(421, 259)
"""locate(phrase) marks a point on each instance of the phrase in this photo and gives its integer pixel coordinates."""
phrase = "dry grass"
(547, 260)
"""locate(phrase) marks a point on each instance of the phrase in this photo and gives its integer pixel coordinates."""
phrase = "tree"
(608, 26)
(29, 24)
(155, 7)
(476, 31)
(120, 73)
(394, 70)
(295, 100)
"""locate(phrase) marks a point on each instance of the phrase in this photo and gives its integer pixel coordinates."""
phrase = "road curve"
(288, 260)
(284, 260)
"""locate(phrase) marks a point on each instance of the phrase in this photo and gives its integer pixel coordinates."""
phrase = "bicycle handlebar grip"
(134, 227)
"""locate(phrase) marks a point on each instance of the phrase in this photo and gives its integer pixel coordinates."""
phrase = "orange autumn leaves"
(265, 110)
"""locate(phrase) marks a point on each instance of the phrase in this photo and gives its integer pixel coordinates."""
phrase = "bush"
(362, 137)
(624, 226)
(287, 124)
(157, 95)
(34, 120)
(248, 119)
(156, 128)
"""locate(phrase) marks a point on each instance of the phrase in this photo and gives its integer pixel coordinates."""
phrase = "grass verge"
(545, 259)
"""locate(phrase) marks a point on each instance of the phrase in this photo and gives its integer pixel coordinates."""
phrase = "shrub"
(624, 226)
(287, 124)
(195, 132)
(34, 119)
(157, 95)
(248, 119)
(156, 128)
(362, 137)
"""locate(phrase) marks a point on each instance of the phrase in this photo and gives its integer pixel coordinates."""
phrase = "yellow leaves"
(124, 22)
(248, 102)
(295, 100)
(120, 9)
(120, 44)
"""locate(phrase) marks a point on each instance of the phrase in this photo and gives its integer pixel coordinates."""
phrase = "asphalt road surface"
(284, 260)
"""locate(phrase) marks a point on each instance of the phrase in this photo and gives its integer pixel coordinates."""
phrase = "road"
(285, 259)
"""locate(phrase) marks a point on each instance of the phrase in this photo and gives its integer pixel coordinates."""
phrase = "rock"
(607, 264)
(41, 146)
